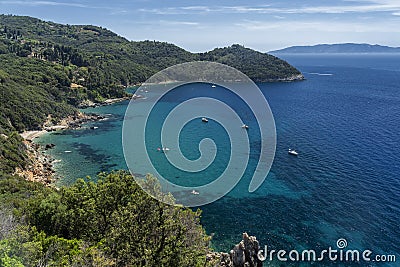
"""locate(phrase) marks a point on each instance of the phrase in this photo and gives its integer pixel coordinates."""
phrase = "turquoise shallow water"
(345, 183)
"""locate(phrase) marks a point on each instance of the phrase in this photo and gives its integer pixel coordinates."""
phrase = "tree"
(128, 224)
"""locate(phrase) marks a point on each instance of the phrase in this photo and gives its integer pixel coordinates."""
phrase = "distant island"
(337, 49)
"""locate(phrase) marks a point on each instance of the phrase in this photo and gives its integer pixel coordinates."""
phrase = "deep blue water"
(345, 183)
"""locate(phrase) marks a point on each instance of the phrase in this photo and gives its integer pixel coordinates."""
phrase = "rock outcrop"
(243, 254)
(39, 167)
(71, 122)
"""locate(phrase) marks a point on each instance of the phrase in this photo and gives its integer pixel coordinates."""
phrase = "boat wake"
(321, 74)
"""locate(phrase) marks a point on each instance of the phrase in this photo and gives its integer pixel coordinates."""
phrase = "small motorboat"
(163, 149)
(293, 152)
(244, 126)
(204, 119)
(213, 86)
(194, 192)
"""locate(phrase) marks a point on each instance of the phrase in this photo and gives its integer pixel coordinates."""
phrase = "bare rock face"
(238, 254)
(243, 254)
(225, 260)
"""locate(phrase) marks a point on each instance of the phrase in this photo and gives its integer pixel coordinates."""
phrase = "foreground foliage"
(111, 222)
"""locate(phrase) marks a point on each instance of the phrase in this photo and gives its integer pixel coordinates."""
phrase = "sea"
(344, 185)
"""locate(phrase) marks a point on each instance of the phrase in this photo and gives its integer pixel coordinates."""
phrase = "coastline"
(40, 164)
(91, 104)
(30, 135)
(293, 78)
(39, 168)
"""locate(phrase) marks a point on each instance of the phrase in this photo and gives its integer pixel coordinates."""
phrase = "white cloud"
(319, 26)
(197, 8)
(171, 22)
(113, 10)
(373, 6)
(42, 3)
(164, 24)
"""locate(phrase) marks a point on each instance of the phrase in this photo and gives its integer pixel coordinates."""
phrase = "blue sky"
(203, 25)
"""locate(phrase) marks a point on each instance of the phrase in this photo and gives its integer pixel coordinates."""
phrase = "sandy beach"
(74, 121)
(30, 135)
(40, 167)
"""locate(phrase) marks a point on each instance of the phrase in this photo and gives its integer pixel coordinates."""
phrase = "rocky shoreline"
(73, 121)
(293, 78)
(39, 168)
(40, 165)
(91, 104)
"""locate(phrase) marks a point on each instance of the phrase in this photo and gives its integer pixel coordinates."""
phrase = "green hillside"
(258, 66)
(123, 61)
(46, 71)
(49, 69)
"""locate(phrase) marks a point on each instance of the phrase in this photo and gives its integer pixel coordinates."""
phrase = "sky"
(199, 26)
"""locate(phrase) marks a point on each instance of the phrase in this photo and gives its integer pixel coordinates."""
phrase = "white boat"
(204, 119)
(194, 192)
(293, 152)
(244, 126)
(213, 86)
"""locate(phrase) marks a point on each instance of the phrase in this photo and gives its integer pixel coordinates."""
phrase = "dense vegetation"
(121, 61)
(258, 66)
(32, 89)
(108, 223)
(58, 65)
(46, 71)
(12, 153)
